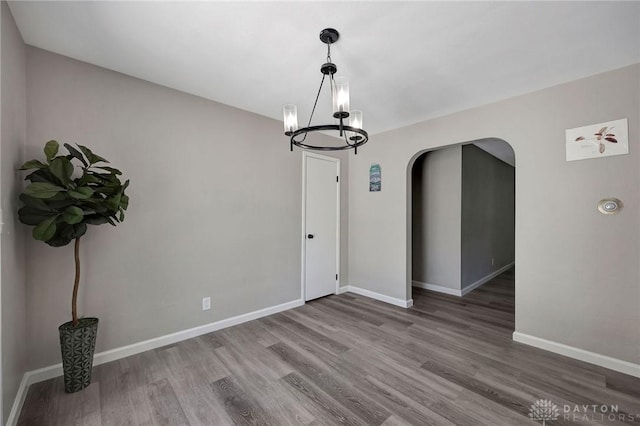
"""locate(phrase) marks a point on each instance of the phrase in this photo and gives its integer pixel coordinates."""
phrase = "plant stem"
(76, 283)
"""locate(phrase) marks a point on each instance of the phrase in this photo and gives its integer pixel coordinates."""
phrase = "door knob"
(310, 236)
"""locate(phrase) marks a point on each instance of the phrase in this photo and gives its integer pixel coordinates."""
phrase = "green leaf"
(35, 203)
(33, 164)
(73, 215)
(61, 237)
(93, 158)
(100, 208)
(58, 240)
(41, 175)
(87, 178)
(77, 154)
(124, 202)
(45, 229)
(121, 217)
(79, 230)
(32, 217)
(110, 170)
(51, 149)
(110, 180)
(62, 168)
(95, 219)
(86, 151)
(61, 202)
(81, 193)
(67, 233)
(107, 191)
(97, 159)
(42, 190)
(113, 203)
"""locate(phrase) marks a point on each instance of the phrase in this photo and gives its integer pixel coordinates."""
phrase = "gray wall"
(488, 214)
(577, 270)
(436, 217)
(463, 215)
(215, 208)
(13, 134)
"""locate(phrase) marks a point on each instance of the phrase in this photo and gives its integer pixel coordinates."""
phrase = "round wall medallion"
(610, 206)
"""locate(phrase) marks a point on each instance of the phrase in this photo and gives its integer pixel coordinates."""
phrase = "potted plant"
(60, 202)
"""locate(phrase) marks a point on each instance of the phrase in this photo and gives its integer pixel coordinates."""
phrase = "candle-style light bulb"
(355, 119)
(290, 115)
(340, 96)
(342, 99)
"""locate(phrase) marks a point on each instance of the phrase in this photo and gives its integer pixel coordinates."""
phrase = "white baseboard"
(437, 288)
(18, 402)
(381, 297)
(467, 289)
(342, 290)
(488, 278)
(46, 373)
(615, 364)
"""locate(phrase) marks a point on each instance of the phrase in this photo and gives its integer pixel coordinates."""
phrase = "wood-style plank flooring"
(349, 360)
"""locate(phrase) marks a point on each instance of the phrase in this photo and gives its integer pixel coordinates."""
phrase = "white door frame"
(305, 155)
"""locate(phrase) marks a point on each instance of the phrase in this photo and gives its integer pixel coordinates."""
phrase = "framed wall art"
(598, 140)
(375, 178)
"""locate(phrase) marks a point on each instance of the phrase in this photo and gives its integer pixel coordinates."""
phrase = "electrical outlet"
(206, 303)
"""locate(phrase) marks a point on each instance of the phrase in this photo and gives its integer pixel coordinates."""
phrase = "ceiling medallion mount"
(352, 132)
(329, 35)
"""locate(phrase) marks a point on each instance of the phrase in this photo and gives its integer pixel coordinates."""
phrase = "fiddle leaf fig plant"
(63, 198)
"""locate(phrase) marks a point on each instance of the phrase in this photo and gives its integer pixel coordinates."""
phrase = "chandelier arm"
(316, 102)
(331, 92)
(332, 82)
(314, 106)
(346, 139)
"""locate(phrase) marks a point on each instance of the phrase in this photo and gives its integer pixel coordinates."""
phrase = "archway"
(454, 248)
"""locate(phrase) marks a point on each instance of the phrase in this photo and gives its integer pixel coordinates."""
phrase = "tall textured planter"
(78, 345)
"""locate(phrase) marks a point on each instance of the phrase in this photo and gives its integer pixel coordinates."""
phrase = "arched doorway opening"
(461, 220)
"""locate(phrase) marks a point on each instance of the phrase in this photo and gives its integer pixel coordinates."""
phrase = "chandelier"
(350, 131)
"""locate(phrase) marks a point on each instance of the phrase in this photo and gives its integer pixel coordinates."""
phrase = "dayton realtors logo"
(545, 411)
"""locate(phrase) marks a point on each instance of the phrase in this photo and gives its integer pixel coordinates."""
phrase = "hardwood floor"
(348, 360)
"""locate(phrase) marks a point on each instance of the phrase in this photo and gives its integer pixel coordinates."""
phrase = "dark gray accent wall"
(488, 214)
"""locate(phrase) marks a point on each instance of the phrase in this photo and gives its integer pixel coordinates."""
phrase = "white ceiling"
(406, 61)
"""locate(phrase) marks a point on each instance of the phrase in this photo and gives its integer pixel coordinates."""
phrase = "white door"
(320, 225)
